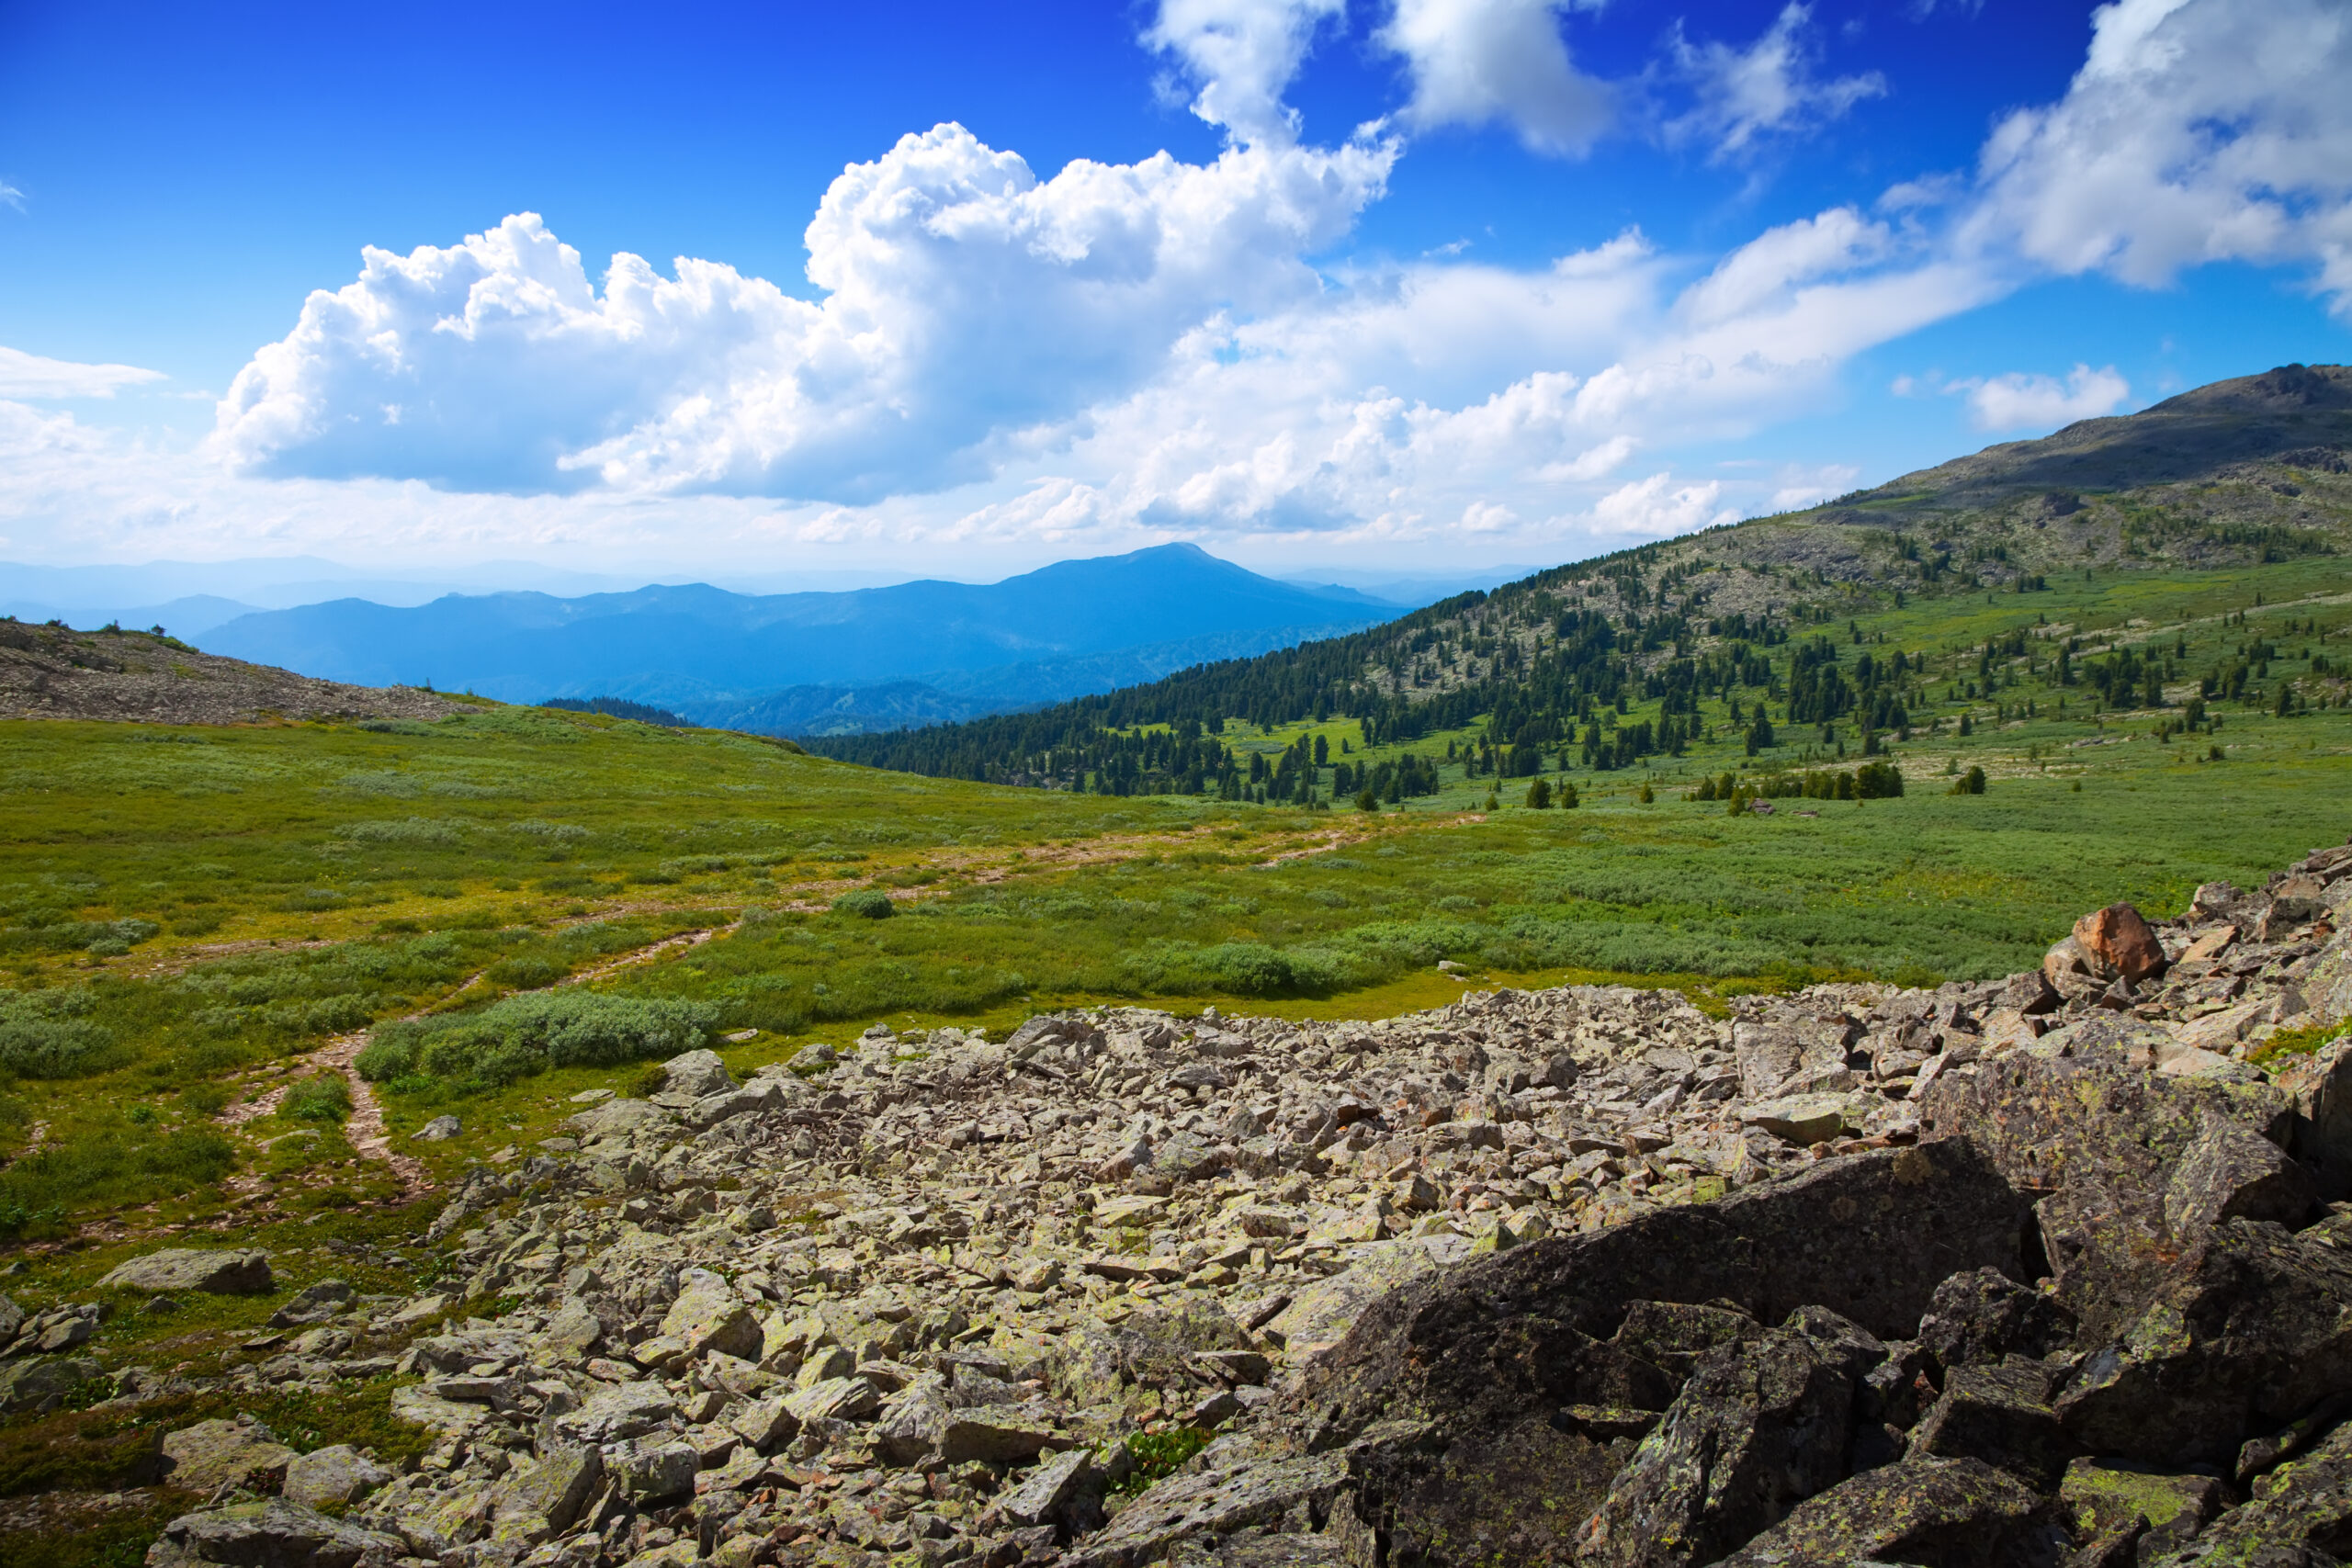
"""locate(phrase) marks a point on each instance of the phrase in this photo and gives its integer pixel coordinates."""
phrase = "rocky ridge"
(54, 672)
(2039, 1270)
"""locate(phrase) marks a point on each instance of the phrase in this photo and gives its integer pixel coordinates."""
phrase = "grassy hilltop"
(492, 909)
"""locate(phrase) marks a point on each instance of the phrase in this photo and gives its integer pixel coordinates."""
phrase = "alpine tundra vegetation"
(1822, 1040)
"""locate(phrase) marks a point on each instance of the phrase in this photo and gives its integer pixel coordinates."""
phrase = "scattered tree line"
(620, 707)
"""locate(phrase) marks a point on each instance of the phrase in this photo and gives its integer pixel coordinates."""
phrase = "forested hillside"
(1747, 630)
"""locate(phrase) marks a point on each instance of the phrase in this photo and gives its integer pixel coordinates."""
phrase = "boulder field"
(2052, 1269)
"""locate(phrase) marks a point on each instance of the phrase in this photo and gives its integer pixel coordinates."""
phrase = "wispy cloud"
(1747, 96)
(26, 375)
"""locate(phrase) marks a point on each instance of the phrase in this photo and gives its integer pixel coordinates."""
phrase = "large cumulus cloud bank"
(1163, 349)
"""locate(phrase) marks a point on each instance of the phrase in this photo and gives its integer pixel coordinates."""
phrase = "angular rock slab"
(1472, 1353)
(2242, 1336)
(1949, 1513)
(1211, 1503)
(335, 1475)
(1760, 1427)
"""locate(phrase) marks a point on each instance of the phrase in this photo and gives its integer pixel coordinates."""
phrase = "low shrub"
(866, 904)
(526, 1035)
(105, 1166)
(48, 1035)
(322, 1098)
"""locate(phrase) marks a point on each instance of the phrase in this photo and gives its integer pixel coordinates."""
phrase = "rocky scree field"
(2046, 1270)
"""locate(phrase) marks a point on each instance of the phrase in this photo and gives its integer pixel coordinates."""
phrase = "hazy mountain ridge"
(695, 647)
(2254, 469)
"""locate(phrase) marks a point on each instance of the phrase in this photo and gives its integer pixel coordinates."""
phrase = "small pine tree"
(1367, 801)
(1647, 794)
(1539, 794)
(1569, 799)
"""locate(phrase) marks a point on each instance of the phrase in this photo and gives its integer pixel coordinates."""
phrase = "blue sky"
(1410, 284)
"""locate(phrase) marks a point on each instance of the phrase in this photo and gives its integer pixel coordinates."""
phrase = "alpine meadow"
(1174, 787)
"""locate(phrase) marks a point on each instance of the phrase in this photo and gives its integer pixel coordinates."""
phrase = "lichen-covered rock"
(710, 1316)
(331, 1477)
(43, 1385)
(1211, 1503)
(275, 1534)
(2301, 1514)
(1980, 1316)
(2163, 1508)
(2244, 1333)
(214, 1272)
(1943, 1513)
(2083, 1121)
(220, 1453)
(651, 1472)
(543, 1499)
(1999, 1414)
(696, 1073)
(2232, 1172)
(1760, 1426)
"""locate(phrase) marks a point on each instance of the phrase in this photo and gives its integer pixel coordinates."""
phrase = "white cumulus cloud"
(1657, 507)
(965, 301)
(1484, 61)
(2197, 130)
(26, 375)
(1239, 55)
(2023, 401)
(1744, 96)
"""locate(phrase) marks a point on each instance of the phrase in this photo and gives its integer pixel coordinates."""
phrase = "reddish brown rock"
(2120, 942)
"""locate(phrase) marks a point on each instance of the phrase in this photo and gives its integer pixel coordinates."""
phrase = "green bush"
(323, 1098)
(866, 904)
(48, 1035)
(526, 1035)
(1154, 1456)
(41, 932)
(109, 1166)
(527, 973)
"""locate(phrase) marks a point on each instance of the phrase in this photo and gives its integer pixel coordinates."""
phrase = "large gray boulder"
(698, 1073)
(43, 1385)
(332, 1477)
(219, 1273)
(215, 1453)
(1760, 1426)
(275, 1534)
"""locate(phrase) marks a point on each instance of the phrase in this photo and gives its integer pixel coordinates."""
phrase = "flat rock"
(214, 1453)
(275, 1534)
(1950, 1513)
(1805, 1119)
(220, 1273)
(336, 1476)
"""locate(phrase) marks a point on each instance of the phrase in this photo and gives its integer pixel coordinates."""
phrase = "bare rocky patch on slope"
(54, 672)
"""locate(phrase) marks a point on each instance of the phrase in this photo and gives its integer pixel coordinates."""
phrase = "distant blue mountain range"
(792, 663)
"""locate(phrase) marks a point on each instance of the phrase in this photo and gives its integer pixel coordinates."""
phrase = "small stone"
(439, 1130)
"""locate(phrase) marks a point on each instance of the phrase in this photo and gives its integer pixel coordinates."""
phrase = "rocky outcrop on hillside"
(54, 672)
(2037, 1271)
